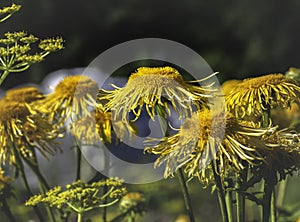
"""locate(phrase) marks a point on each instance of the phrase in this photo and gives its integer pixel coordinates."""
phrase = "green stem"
(273, 207)
(78, 160)
(23, 176)
(79, 217)
(35, 208)
(7, 211)
(221, 195)
(186, 197)
(281, 192)
(3, 76)
(43, 185)
(240, 198)
(228, 199)
(240, 205)
(269, 198)
(105, 188)
(160, 110)
(49, 211)
(131, 218)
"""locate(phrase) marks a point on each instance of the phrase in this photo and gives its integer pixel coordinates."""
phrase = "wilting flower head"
(286, 118)
(151, 87)
(133, 202)
(293, 73)
(22, 129)
(253, 96)
(72, 97)
(210, 137)
(99, 127)
(283, 156)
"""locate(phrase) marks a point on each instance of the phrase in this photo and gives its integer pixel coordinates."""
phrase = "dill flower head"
(162, 86)
(80, 196)
(8, 11)
(252, 96)
(71, 98)
(209, 137)
(23, 129)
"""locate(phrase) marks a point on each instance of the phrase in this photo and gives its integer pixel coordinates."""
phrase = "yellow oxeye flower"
(72, 97)
(254, 95)
(23, 129)
(99, 127)
(210, 137)
(162, 86)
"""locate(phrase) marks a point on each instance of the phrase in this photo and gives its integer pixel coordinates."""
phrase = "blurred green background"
(237, 38)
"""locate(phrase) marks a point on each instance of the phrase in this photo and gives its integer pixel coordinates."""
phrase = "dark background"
(237, 38)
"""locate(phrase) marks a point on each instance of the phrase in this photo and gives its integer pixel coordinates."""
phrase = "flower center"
(271, 79)
(24, 94)
(12, 110)
(148, 73)
(80, 85)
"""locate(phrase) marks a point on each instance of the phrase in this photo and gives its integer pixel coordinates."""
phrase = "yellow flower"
(72, 97)
(229, 86)
(99, 127)
(162, 86)
(94, 127)
(210, 137)
(252, 96)
(23, 129)
(283, 156)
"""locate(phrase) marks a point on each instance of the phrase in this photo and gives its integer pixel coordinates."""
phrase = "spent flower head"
(283, 157)
(133, 202)
(99, 127)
